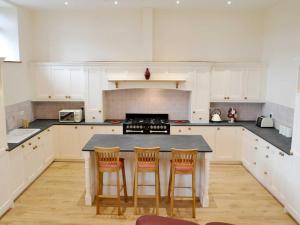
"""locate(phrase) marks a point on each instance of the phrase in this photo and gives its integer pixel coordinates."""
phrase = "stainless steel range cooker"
(137, 123)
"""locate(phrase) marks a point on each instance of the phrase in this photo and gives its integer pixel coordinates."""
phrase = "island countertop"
(165, 142)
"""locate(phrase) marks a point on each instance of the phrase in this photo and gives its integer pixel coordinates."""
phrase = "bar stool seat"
(111, 165)
(159, 220)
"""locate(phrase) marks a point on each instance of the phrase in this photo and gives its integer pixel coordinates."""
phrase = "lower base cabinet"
(224, 141)
(5, 181)
(70, 139)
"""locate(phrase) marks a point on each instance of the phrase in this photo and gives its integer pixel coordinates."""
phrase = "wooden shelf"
(176, 81)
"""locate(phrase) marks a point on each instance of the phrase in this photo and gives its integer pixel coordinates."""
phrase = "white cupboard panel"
(77, 91)
(61, 83)
(69, 142)
(43, 83)
(5, 182)
(252, 85)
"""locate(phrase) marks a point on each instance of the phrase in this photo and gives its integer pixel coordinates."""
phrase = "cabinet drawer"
(199, 116)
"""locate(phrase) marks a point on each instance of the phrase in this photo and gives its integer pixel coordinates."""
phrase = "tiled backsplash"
(49, 110)
(282, 115)
(174, 102)
(15, 113)
(245, 111)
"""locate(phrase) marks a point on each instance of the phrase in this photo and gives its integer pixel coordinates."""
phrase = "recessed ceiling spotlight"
(229, 2)
(66, 3)
(177, 2)
(116, 2)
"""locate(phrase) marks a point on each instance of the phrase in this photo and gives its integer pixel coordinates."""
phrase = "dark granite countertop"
(127, 142)
(270, 135)
(44, 124)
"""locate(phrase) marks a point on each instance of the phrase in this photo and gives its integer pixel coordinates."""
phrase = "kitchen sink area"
(18, 135)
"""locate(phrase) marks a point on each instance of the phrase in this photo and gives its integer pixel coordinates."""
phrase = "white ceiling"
(92, 4)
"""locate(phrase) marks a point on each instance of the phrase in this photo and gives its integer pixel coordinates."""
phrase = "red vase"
(147, 74)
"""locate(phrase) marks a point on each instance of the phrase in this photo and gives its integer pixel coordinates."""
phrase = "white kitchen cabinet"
(68, 142)
(293, 194)
(224, 141)
(86, 132)
(43, 83)
(95, 85)
(253, 84)
(59, 83)
(33, 155)
(5, 183)
(265, 155)
(77, 84)
(281, 169)
(230, 84)
(228, 144)
(47, 144)
(17, 165)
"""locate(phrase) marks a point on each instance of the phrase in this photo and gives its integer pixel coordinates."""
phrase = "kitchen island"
(165, 142)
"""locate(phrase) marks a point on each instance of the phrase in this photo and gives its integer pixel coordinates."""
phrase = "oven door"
(67, 117)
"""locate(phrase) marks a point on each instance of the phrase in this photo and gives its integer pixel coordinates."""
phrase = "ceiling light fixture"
(66, 3)
(116, 2)
(177, 2)
(229, 2)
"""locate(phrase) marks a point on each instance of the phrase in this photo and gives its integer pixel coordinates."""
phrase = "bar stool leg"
(172, 190)
(157, 191)
(124, 183)
(194, 195)
(170, 182)
(99, 192)
(135, 191)
(118, 194)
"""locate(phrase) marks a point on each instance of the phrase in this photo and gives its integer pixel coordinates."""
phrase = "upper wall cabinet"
(59, 83)
(230, 84)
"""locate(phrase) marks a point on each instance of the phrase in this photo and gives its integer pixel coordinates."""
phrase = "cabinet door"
(219, 80)
(252, 85)
(228, 144)
(234, 89)
(264, 165)
(61, 83)
(69, 142)
(31, 163)
(281, 168)
(5, 193)
(77, 84)
(200, 116)
(94, 102)
(293, 194)
(43, 83)
(16, 161)
(47, 145)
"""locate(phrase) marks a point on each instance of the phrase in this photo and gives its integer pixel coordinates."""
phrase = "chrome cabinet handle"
(190, 128)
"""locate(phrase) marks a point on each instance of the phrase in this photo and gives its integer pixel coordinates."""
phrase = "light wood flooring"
(57, 197)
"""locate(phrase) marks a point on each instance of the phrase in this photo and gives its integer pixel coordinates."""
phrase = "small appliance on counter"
(265, 122)
(232, 115)
(216, 115)
(70, 115)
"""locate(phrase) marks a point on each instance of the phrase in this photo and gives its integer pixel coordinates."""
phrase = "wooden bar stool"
(146, 161)
(108, 160)
(183, 162)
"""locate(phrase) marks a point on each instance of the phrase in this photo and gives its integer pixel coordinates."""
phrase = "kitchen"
(145, 70)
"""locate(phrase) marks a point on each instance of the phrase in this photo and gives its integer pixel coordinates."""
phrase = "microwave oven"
(70, 115)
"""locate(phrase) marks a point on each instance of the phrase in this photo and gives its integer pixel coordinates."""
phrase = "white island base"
(202, 178)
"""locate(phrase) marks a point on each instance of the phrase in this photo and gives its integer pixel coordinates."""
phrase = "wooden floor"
(57, 197)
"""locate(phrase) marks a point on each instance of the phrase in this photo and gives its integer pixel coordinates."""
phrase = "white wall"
(89, 35)
(117, 34)
(281, 47)
(17, 81)
(182, 34)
